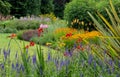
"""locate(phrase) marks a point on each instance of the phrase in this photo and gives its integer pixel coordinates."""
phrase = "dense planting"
(46, 46)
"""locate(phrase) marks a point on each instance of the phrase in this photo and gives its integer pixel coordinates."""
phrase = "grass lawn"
(14, 47)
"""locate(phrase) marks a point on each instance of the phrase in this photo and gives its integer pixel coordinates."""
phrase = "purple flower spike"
(34, 59)
(90, 59)
(13, 66)
(17, 65)
(62, 63)
(49, 56)
(110, 62)
(22, 67)
(2, 66)
(6, 53)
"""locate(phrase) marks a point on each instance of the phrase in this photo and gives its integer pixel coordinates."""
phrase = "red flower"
(68, 34)
(27, 46)
(79, 40)
(78, 47)
(32, 43)
(40, 30)
(13, 35)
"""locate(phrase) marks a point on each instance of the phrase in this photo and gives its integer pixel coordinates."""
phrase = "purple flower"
(34, 59)
(62, 63)
(6, 53)
(90, 59)
(13, 66)
(2, 66)
(22, 67)
(49, 56)
(17, 65)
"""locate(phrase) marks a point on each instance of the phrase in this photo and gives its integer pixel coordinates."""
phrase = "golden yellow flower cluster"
(65, 30)
(86, 35)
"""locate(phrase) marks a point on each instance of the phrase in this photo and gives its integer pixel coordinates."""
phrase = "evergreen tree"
(47, 6)
(4, 7)
(25, 7)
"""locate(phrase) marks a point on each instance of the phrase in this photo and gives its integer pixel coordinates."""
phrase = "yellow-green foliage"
(110, 29)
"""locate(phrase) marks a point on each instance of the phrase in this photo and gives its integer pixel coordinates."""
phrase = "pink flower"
(43, 26)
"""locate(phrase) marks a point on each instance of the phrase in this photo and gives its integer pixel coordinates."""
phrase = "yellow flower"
(48, 44)
(62, 44)
(82, 23)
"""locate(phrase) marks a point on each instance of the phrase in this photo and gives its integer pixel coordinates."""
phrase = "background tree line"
(20, 8)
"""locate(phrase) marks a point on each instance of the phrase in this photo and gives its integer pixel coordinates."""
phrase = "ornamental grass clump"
(110, 29)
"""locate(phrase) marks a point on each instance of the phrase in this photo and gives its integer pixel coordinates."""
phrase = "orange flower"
(27, 46)
(13, 35)
(78, 47)
(32, 43)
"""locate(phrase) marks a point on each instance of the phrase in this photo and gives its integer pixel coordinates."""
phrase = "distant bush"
(20, 24)
(77, 9)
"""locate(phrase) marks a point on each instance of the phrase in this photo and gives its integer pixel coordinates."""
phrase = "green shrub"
(77, 9)
(9, 30)
(21, 24)
(45, 38)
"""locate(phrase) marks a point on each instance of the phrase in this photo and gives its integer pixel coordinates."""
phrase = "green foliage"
(110, 30)
(4, 7)
(59, 6)
(9, 30)
(33, 7)
(20, 24)
(25, 7)
(45, 38)
(47, 6)
(77, 9)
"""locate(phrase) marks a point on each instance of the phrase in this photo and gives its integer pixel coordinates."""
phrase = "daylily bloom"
(13, 35)
(40, 30)
(32, 43)
(27, 46)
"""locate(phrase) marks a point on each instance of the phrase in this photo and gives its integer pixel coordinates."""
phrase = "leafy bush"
(9, 30)
(21, 24)
(45, 38)
(77, 9)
